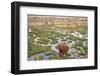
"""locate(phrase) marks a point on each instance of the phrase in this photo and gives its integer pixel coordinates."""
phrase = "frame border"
(15, 37)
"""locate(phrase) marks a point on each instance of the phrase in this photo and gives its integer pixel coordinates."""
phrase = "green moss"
(30, 53)
(54, 42)
(38, 49)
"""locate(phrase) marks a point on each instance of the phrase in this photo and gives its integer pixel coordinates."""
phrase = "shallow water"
(42, 54)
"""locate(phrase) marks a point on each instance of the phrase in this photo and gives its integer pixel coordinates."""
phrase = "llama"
(63, 48)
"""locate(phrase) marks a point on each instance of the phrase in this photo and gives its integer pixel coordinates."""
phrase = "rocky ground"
(76, 41)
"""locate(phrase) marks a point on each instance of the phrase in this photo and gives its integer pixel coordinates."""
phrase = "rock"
(31, 58)
(77, 34)
(84, 43)
(53, 47)
(72, 51)
(37, 57)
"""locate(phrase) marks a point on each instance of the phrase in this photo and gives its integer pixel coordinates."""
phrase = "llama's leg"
(66, 52)
(63, 53)
(60, 53)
